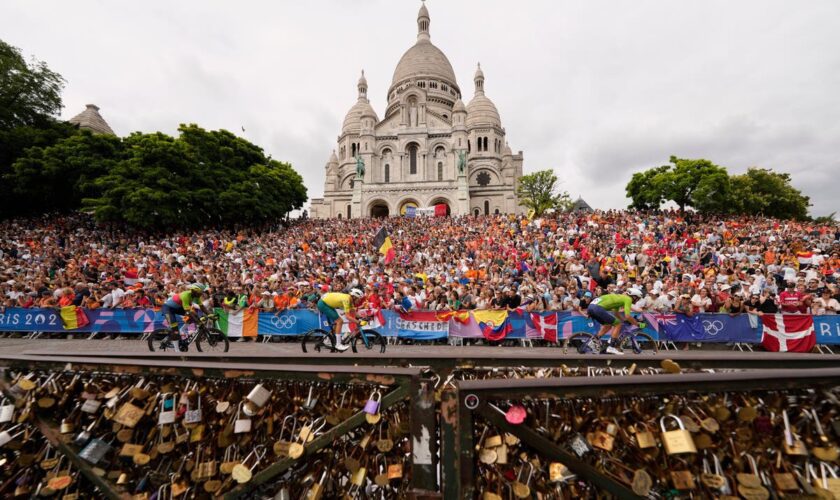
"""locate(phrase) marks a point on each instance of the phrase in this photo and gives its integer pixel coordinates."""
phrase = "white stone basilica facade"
(428, 148)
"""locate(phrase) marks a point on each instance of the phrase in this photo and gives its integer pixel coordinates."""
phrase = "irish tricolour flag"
(239, 324)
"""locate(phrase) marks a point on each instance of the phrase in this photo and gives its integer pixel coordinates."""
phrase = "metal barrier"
(441, 419)
(402, 384)
(475, 399)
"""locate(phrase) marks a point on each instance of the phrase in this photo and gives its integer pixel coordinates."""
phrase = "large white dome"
(424, 60)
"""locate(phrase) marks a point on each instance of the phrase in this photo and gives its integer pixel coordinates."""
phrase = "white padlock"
(259, 395)
(91, 405)
(241, 425)
(7, 411)
(166, 416)
(6, 436)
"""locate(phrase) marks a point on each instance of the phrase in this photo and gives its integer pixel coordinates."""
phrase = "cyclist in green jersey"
(601, 310)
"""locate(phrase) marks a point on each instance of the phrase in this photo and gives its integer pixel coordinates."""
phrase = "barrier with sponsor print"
(430, 325)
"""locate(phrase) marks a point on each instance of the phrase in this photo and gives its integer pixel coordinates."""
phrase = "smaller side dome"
(505, 152)
(459, 107)
(362, 108)
(333, 158)
(481, 111)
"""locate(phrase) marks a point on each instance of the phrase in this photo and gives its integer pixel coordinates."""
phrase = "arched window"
(348, 211)
(486, 208)
(339, 215)
(387, 173)
(440, 171)
(468, 146)
(476, 212)
(496, 212)
(412, 159)
(485, 144)
(353, 149)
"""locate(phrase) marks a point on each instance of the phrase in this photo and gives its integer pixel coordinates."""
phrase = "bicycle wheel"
(318, 339)
(640, 343)
(156, 339)
(212, 339)
(583, 343)
(374, 340)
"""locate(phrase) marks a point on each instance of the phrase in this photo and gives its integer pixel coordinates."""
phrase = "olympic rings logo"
(712, 327)
(286, 322)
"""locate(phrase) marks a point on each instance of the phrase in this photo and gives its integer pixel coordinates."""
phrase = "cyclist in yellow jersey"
(329, 305)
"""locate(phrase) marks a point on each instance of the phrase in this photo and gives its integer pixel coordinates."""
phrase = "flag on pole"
(73, 317)
(239, 324)
(383, 245)
(788, 332)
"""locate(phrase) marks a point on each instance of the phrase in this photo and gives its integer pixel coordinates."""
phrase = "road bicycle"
(323, 339)
(629, 338)
(205, 336)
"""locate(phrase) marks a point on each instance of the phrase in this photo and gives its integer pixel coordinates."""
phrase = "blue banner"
(293, 322)
(827, 328)
(425, 325)
(709, 328)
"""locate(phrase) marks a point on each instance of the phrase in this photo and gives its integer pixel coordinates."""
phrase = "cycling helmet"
(357, 293)
(634, 292)
(198, 287)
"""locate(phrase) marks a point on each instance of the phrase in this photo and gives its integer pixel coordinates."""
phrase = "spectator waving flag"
(73, 317)
(788, 332)
(383, 245)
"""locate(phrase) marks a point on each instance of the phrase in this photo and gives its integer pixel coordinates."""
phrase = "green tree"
(762, 191)
(540, 192)
(59, 176)
(200, 178)
(645, 190)
(689, 183)
(29, 93)
(14, 143)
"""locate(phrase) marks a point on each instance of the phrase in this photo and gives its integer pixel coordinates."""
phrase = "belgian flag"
(382, 242)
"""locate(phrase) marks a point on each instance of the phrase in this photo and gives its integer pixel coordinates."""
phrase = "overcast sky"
(593, 89)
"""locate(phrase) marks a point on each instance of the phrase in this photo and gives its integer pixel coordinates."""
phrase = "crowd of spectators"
(680, 262)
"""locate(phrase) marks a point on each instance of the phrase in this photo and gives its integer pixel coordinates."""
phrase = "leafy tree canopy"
(200, 178)
(708, 188)
(540, 192)
(30, 94)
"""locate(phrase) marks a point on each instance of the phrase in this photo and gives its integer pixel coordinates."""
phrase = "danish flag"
(545, 325)
(788, 332)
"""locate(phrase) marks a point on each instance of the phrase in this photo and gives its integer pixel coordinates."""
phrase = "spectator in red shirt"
(790, 300)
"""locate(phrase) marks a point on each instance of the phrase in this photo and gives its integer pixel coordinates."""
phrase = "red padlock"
(515, 415)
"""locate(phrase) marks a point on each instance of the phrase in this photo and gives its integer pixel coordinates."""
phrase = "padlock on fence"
(241, 425)
(94, 451)
(372, 404)
(259, 395)
(678, 440)
(167, 409)
(193, 416)
(7, 411)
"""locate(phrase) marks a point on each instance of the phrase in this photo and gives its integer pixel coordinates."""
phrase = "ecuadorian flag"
(494, 324)
(383, 245)
(73, 317)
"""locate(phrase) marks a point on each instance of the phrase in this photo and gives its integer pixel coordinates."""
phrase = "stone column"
(357, 198)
